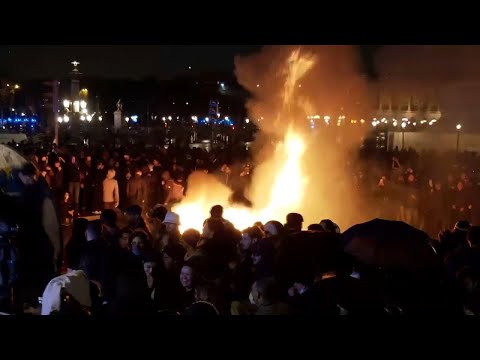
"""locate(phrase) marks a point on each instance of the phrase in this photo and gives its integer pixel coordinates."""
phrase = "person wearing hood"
(111, 197)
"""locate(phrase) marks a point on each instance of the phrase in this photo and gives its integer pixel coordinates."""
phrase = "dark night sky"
(136, 61)
(120, 61)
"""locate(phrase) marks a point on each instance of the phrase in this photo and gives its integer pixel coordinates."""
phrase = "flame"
(286, 194)
(279, 184)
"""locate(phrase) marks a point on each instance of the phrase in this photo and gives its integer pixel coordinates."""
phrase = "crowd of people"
(133, 260)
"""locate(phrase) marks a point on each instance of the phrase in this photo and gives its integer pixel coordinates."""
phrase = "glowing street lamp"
(89, 118)
(66, 119)
(66, 103)
(404, 125)
(247, 120)
(100, 118)
(17, 86)
(60, 119)
(169, 118)
(82, 118)
(127, 119)
(83, 104)
(458, 127)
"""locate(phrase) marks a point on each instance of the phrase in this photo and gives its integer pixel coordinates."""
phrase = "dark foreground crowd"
(135, 261)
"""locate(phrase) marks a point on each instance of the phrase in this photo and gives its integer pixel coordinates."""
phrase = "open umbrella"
(10, 159)
(390, 244)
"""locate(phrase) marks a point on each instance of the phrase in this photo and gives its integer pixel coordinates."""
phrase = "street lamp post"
(404, 125)
(459, 127)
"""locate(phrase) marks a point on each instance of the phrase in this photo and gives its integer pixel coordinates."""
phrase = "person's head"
(111, 174)
(159, 212)
(66, 196)
(329, 226)
(139, 242)
(411, 178)
(133, 214)
(100, 165)
(29, 174)
(187, 277)
(124, 239)
(109, 218)
(438, 185)
(250, 236)
(166, 175)
(273, 228)
(460, 186)
(216, 212)
(263, 292)
(191, 237)
(172, 222)
(156, 163)
(57, 164)
(74, 159)
(93, 231)
(149, 266)
(88, 160)
(473, 237)
(315, 227)
(294, 222)
(172, 255)
(211, 227)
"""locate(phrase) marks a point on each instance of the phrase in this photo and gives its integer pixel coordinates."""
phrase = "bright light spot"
(207, 119)
(247, 120)
(100, 118)
(186, 103)
(194, 209)
(218, 115)
(404, 119)
(404, 125)
(66, 119)
(84, 111)
(169, 118)
(434, 120)
(89, 118)
(458, 126)
(164, 118)
(83, 104)
(395, 123)
(17, 86)
(189, 68)
(374, 123)
(23, 114)
(222, 85)
(226, 118)
(258, 85)
(414, 124)
(8, 85)
(82, 117)
(13, 109)
(299, 85)
(127, 119)
(60, 119)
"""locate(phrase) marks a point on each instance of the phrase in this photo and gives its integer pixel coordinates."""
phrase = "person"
(110, 229)
(139, 245)
(188, 282)
(250, 237)
(74, 182)
(8, 265)
(135, 221)
(263, 257)
(150, 266)
(111, 197)
(216, 213)
(411, 201)
(136, 189)
(97, 191)
(175, 192)
(58, 184)
(190, 240)
(294, 223)
(172, 222)
(329, 226)
(265, 298)
(38, 240)
(77, 243)
(86, 186)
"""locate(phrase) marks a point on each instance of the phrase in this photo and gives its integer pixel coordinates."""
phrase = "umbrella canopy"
(10, 159)
(390, 244)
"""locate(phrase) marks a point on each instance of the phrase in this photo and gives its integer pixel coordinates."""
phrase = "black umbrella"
(390, 244)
